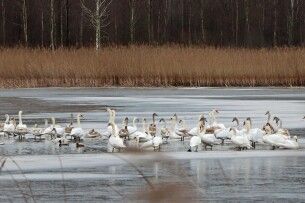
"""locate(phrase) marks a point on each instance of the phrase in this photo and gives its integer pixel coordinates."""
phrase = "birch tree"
(67, 14)
(132, 20)
(275, 23)
(202, 21)
(97, 17)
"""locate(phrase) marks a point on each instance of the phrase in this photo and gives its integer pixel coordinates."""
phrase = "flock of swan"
(155, 133)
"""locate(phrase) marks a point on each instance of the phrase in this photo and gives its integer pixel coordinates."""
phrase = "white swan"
(9, 127)
(196, 139)
(278, 140)
(143, 136)
(181, 130)
(134, 128)
(7, 119)
(114, 142)
(78, 131)
(240, 139)
(164, 131)
(175, 134)
(213, 120)
(21, 128)
(255, 135)
(207, 139)
(194, 130)
(279, 125)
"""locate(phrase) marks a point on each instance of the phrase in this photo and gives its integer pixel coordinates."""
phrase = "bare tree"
(132, 20)
(275, 23)
(149, 21)
(182, 20)
(291, 22)
(98, 17)
(3, 23)
(189, 22)
(81, 28)
(61, 24)
(247, 22)
(52, 24)
(25, 21)
(42, 23)
(67, 14)
(202, 21)
(236, 22)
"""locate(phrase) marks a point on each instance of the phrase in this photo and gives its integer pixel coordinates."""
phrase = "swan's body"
(115, 142)
(156, 143)
(9, 126)
(78, 131)
(6, 122)
(240, 139)
(132, 129)
(213, 121)
(164, 131)
(196, 139)
(21, 128)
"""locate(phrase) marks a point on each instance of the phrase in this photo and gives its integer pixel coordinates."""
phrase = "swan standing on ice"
(181, 130)
(114, 142)
(196, 139)
(213, 120)
(279, 125)
(9, 127)
(78, 131)
(143, 135)
(7, 119)
(164, 131)
(208, 139)
(194, 131)
(152, 130)
(21, 129)
(123, 133)
(255, 135)
(70, 126)
(132, 129)
(278, 140)
(240, 139)
(175, 134)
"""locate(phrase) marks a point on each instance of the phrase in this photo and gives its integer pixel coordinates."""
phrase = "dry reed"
(152, 67)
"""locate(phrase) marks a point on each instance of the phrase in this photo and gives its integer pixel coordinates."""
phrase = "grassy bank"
(152, 66)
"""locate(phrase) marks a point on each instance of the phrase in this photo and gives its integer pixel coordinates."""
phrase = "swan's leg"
(273, 147)
(254, 143)
(196, 149)
(222, 141)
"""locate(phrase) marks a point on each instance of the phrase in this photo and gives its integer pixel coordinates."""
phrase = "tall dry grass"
(152, 66)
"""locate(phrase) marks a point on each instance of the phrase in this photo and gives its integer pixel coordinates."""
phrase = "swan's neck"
(20, 118)
(154, 120)
(269, 117)
(237, 122)
(78, 121)
(134, 123)
(46, 122)
(280, 123)
(53, 122)
(7, 119)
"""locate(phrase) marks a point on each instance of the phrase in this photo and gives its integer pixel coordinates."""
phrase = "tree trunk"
(61, 25)
(182, 20)
(236, 22)
(67, 7)
(98, 26)
(275, 23)
(52, 24)
(262, 24)
(202, 21)
(132, 20)
(247, 22)
(189, 23)
(149, 20)
(42, 26)
(25, 22)
(3, 24)
(291, 23)
(81, 28)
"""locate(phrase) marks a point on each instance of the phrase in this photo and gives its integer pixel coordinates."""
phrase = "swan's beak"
(267, 113)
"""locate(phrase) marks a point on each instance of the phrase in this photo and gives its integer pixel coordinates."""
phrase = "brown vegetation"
(152, 66)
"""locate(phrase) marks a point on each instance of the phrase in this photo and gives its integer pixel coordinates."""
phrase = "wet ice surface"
(71, 174)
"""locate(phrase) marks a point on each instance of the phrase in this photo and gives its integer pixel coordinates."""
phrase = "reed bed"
(147, 66)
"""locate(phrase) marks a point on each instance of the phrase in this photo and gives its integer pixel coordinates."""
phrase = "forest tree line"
(77, 23)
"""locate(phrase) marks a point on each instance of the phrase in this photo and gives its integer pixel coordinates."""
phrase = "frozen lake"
(41, 171)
